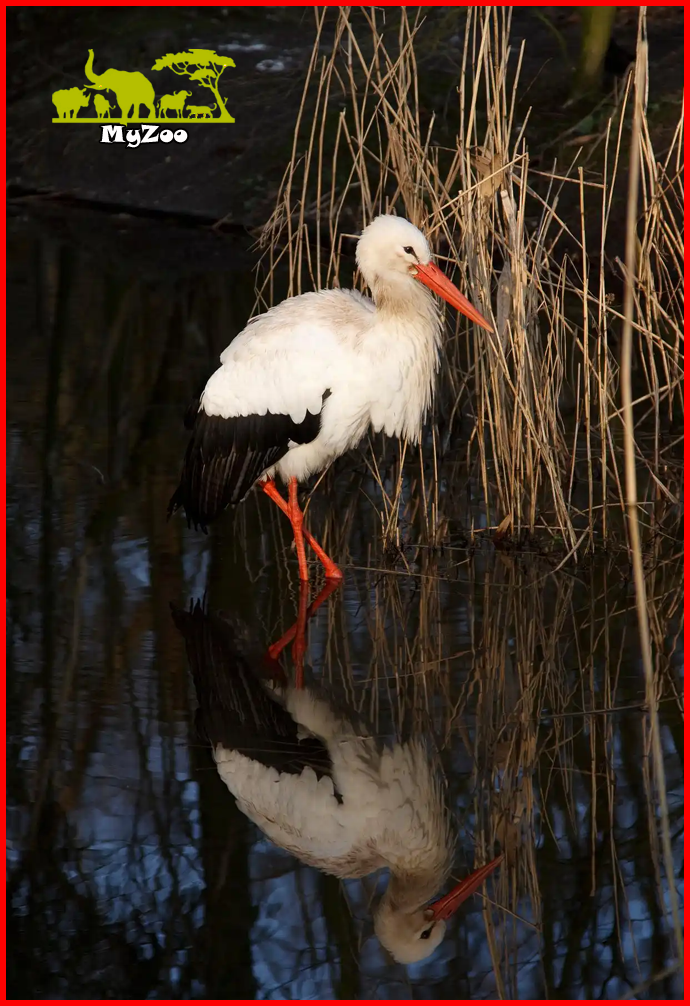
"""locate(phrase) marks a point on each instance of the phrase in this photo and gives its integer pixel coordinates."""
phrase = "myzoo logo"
(120, 97)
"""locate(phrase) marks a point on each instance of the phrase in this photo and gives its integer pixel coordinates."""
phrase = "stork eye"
(426, 933)
(409, 250)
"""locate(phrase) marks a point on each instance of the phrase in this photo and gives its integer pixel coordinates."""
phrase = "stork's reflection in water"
(322, 786)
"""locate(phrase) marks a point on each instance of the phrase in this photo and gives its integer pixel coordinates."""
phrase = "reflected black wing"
(236, 709)
(225, 457)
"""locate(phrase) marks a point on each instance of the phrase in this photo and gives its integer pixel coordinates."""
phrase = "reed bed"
(528, 684)
(557, 434)
(527, 419)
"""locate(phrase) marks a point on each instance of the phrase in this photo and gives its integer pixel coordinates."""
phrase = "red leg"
(301, 535)
(297, 519)
(275, 649)
(299, 647)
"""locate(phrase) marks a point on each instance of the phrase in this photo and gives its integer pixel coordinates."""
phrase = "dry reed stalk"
(631, 487)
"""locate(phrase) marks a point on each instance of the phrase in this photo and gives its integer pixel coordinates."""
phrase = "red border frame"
(3, 121)
(4, 265)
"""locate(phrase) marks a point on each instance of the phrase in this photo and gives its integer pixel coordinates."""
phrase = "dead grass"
(530, 413)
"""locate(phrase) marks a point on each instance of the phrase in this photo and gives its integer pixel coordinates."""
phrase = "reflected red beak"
(449, 904)
(430, 275)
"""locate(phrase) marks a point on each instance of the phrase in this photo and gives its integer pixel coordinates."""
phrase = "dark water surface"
(131, 872)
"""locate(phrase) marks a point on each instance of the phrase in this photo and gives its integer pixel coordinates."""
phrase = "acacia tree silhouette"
(210, 67)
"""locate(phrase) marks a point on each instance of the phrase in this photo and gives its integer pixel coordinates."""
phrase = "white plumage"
(391, 812)
(323, 788)
(303, 382)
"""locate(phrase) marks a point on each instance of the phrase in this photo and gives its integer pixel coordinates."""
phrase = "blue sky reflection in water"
(131, 873)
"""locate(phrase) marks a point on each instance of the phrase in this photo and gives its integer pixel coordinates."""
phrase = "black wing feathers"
(236, 709)
(225, 457)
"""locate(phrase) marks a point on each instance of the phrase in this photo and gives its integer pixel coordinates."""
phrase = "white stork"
(318, 785)
(300, 384)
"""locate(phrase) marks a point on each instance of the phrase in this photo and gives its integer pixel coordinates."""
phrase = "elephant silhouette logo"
(128, 96)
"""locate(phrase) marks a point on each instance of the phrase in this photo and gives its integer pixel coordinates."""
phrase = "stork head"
(413, 935)
(393, 255)
(408, 936)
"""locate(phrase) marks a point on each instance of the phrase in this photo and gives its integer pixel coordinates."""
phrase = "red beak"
(449, 904)
(430, 275)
